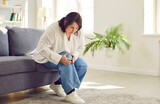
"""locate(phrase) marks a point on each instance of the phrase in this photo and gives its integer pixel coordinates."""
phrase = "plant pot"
(109, 52)
(4, 2)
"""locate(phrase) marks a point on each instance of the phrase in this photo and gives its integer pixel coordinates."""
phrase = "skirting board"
(125, 70)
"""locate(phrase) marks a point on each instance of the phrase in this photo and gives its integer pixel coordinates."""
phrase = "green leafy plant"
(111, 39)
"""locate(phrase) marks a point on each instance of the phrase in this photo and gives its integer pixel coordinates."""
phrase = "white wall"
(143, 57)
(158, 16)
(32, 13)
(44, 3)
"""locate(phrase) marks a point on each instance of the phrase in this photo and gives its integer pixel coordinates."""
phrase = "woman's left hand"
(73, 58)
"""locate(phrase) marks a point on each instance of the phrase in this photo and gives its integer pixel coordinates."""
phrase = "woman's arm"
(45, 44)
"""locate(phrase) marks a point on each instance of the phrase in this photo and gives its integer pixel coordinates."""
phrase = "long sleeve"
(45, 44)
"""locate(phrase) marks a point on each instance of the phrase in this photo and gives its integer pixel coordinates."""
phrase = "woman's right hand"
(64, 60)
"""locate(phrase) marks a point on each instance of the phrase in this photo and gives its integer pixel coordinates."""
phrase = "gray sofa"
(18, 71)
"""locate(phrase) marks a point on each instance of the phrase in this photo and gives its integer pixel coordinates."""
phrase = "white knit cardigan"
(54, 41)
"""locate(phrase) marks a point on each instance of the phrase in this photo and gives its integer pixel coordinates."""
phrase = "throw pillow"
(4, 49)
(22, 41)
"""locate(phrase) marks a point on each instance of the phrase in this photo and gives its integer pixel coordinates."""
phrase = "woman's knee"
(68, 56)
(81, 63)
(85, 66)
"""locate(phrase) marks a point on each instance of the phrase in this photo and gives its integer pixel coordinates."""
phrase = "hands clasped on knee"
(66, 61)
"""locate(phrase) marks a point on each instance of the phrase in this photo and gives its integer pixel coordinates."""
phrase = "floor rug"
(91, 96)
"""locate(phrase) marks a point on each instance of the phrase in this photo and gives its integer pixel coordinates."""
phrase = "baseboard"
(125, 70)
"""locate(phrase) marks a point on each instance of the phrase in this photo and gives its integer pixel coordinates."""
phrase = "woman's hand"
(73, 58)
(64, 60)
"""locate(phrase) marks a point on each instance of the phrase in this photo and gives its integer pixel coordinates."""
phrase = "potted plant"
(110, 40)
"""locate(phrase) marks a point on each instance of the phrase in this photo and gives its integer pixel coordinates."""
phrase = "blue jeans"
(71, 75)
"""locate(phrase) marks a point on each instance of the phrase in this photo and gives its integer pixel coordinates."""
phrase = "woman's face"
(71, 29)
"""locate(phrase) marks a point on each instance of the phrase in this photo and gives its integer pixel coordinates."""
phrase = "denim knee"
(85, 66)
(68, 56)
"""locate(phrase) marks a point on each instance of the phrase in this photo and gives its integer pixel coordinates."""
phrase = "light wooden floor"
(100, 79)
(124, 82)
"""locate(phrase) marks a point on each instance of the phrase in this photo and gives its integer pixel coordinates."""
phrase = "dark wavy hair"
(70, 18)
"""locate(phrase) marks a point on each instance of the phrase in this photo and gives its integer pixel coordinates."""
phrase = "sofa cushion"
(4, 49)
(42, 68)
(22, 41)
(16, 64)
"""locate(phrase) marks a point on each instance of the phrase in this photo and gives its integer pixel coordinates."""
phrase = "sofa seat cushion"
(42, 68)
(16, 64)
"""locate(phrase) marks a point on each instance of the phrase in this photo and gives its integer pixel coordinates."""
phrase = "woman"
(59, 48)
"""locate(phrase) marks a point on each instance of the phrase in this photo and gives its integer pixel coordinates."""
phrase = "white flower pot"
(109, 52)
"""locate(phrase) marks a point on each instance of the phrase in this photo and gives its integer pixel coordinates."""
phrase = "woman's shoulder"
(55, 26)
